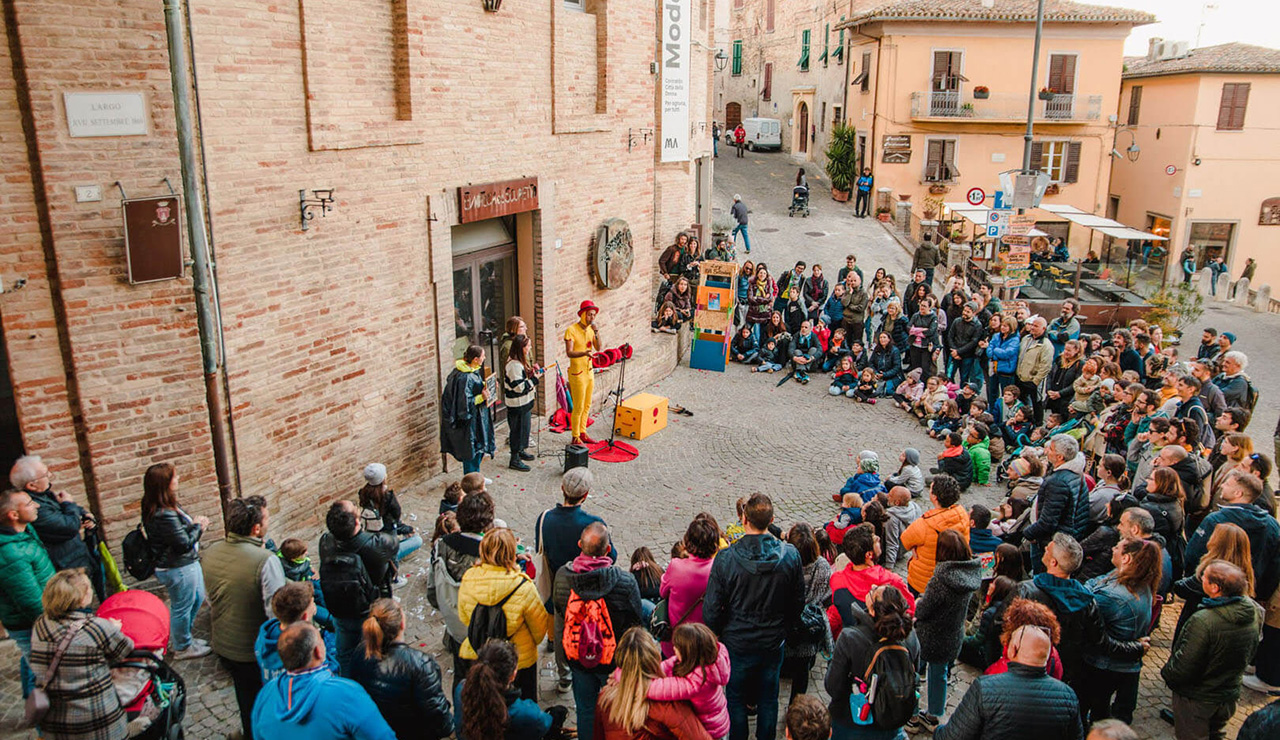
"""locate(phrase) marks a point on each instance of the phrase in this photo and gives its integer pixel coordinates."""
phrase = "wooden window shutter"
(941, 62)
(1135, 104)
(866, 71)
(767, 93)
(768, 15)
(1071, 171)
(737, 57)
(1241, 103)
(1037, 155)
(949, 171)
(933, 162)
(1231, 109)
(1068, 73)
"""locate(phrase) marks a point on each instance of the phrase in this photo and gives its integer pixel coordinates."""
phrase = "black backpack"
(488, 621)
(139, 558)
(891, 687)
(348, 590)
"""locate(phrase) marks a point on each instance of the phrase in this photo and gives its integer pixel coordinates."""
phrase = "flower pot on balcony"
(1046, 95)
(883, 216)
(981, 93)
(840, 196)
(938, 189)
(1051, 189)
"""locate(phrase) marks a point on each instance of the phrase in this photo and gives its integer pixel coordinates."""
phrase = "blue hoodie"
(866, 485)
(1070, 594)
(317, 705)
(1004, 352)
(264, 649)
(982, 540)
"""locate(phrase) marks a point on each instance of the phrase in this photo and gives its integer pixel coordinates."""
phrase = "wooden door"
(732, 116)
(803, 128)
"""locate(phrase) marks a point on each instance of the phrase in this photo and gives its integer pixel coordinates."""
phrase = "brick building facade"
(336, 339)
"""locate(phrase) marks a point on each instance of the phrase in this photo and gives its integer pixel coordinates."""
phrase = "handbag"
(660, 624)
(37, 705)
(542, 578)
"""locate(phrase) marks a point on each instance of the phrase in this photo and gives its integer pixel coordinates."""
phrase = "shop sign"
(613, 254)
(896, 149)
(676, 62)
(1018, 261)
(153, 238)
(478, 202)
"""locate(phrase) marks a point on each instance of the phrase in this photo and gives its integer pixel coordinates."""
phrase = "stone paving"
(747, 434)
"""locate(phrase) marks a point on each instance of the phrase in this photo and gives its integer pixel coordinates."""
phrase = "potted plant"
(1051, 189)
(981, 92)
(882, 213)
(938, 189)
(842, 161)
(720, 229)
(1047, 93)
(966, 110)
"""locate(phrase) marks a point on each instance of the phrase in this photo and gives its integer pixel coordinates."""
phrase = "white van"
(762, 133)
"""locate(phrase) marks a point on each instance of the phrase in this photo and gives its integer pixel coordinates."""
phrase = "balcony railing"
(1004, 107)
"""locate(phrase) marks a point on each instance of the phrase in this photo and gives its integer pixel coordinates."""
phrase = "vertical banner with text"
(676, 50)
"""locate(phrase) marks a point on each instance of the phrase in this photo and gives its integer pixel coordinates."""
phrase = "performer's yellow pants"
(582, 384)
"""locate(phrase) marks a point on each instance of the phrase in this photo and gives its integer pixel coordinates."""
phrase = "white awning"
(1107, 226)
(978, 215)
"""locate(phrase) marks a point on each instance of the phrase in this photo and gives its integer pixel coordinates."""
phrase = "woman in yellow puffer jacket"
(489, 582)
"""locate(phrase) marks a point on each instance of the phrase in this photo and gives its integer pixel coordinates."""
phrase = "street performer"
(581, 341)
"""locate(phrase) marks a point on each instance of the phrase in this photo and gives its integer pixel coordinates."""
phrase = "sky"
(1247, 21)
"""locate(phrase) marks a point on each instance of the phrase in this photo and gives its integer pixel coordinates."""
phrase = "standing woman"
(760, 300)
(1002, 358)
(83, 704)
(923, 330)
(684, 583)
(174, 537)
(519, 388)
(1167, 501)
(940, 616)
(1060, 385)
(624, 710)
(801, 647)
(404, 683)
(465, 419)
(895, 324)
(884, 623)
(1125, 597)
(745, 273)
(489, 706)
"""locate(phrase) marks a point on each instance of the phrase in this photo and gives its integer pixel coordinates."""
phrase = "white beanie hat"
(375, 474)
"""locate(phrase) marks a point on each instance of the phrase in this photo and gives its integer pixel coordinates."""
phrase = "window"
(1135, 104)
(766, 91)
(737, 57)
(804, 50)
(866, 71)
(822, 119)
(839, 52)
(1062, 73)
(1235, 98)
(768, 16)
(1058, 159)
(836, 120)
(940, 164)
(826, 44)
(575, 4)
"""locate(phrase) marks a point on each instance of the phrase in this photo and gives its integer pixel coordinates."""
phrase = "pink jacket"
(683, 583)
(704, 689)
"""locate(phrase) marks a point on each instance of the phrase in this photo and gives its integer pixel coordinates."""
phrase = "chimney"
(1154, 47)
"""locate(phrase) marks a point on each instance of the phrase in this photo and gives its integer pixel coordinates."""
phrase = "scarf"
(584, 563)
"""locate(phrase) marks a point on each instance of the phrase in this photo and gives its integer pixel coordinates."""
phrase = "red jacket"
(668, 720)
(859, 583)
(739, 135)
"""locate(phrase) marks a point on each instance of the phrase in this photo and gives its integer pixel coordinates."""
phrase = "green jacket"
(1209, 657)
(240, 577)
(981, 456)
(24, 569)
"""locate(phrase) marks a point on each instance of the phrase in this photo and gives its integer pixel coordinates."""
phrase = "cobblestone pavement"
(747, 434)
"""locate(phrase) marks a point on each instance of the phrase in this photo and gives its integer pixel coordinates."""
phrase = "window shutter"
(933, 163)
(1231, 110)
(941, 60)
(1135, 104)
(1037, 155)
(737, 57)
(866, 71)
(768, 16)
(1241, 103)
(804, 50)
(1071, 172)
(950, 171)
(1068, 74)
(768, 81)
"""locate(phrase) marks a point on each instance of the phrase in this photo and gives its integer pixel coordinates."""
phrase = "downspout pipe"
(198, 239)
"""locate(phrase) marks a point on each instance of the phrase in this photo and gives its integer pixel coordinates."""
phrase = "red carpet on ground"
(619, 452)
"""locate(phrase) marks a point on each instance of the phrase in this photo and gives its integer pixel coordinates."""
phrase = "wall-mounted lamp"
(637, 136)
(323, 200)
(1132, 152)
(721, 59)
(1196, 161)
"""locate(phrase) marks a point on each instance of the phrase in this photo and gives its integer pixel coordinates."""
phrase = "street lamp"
(721, 59)
(1133, 151)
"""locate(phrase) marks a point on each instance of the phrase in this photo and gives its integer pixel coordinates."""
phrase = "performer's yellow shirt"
(583, 338)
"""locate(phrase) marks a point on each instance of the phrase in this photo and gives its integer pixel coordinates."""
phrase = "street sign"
(998, 222)
(998, 199)
(994, 231)
(1170, 170)
(975, 196)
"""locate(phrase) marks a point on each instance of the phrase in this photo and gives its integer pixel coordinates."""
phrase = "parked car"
(762, 133)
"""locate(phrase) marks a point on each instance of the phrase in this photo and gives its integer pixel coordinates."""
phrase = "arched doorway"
(732, 116)
(802, 127)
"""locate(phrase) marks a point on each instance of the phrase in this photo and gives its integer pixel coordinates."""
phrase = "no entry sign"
(975, 196)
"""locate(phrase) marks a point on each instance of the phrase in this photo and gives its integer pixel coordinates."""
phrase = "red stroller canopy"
(143, 617)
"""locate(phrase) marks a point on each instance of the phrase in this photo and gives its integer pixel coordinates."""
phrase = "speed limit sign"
(975, 196)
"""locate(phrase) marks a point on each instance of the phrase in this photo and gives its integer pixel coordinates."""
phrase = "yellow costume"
(581, 380)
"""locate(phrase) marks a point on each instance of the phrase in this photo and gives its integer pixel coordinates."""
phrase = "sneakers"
(564, 687)
(488, 481)
(193, 651)
(1260, 686)
(399, 581)
(922, 722)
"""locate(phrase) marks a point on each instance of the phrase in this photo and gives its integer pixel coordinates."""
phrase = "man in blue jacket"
(754, 597)
(309, 702)
(292, 603)
(1239, 493)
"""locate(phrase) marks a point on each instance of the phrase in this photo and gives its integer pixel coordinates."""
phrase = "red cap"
(587, 305)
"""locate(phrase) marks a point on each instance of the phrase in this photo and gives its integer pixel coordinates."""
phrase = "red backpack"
(588, 632)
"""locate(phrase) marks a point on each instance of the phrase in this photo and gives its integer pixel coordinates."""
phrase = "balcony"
(961, 106)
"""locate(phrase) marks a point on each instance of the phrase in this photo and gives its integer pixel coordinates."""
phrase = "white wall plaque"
(106, 114)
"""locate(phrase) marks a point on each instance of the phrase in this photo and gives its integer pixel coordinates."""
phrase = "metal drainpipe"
(1031, 101)
(201, 277)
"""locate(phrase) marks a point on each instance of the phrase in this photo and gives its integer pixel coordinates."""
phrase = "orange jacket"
(921, 537)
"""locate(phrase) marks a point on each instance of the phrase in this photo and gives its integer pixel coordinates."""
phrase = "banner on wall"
(676, 49)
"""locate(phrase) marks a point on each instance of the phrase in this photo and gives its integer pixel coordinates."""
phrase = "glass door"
(484, 297)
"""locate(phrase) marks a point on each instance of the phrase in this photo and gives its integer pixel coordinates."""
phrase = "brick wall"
(337, 338)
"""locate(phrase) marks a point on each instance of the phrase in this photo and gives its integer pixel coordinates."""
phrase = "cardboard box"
(641, 415)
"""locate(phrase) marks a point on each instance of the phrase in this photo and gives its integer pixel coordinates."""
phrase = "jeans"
(186, 592)
(996, 385)
(518, 425)
(746, 240)
(862, 204)
(23, 640)
(748, 358)
(754, 674)
(646, 610)
(715, 146)
(767, 366)
(472, 465)
(247, 679)
(408, 546)
(928, 277)
(586, 689)
(349, 636)
(937, 687)
(970, 370)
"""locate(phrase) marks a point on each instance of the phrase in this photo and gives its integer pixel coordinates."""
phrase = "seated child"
(902, 512)
(452, 495)
(836, 349)
(866, 483)
(734, 532)
(1018, 428)
(965, 398)
(745, 348)
(955, 461)
(770, 357)
(947, 420)
(978, 444)
(845, 380)
(666, 321)
(866, 390)
(909, 391)
(861, 358)
(935, 394)
(1010, 517)
(823, 333)
(850, 515)
(446, 524)
(981, 538)
(297, 568)
(909, 474)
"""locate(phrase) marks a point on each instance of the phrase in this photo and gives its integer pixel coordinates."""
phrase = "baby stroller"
(799, 201)
(153, 695)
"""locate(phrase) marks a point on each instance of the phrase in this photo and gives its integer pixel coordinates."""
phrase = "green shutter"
(804, 50)
(826, 44)
(839, 52)
(737, 57)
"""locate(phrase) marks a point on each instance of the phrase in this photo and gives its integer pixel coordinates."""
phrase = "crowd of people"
(1129, 478)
